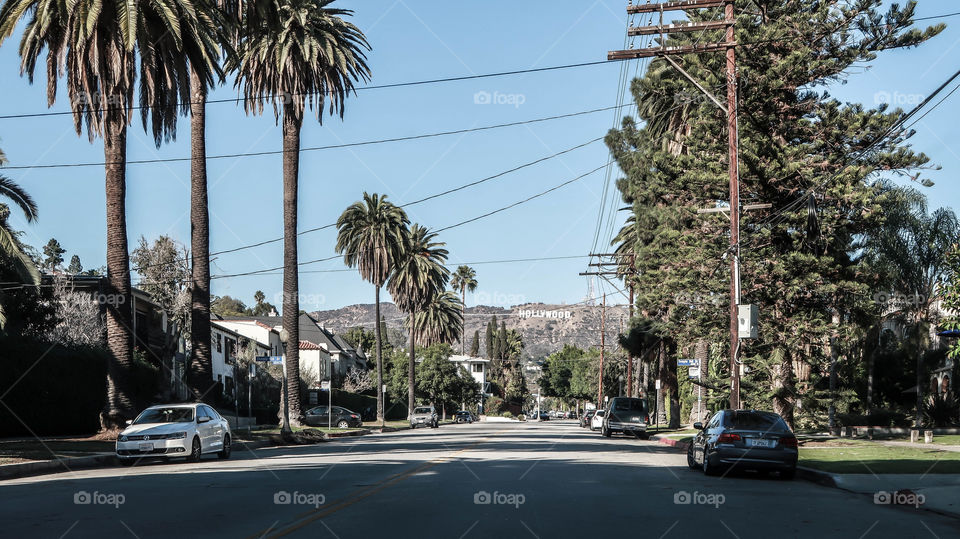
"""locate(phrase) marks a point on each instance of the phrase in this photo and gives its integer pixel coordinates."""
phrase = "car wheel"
(195, 451)
(225, 452)
(788, 474)
(707, 468)
(691, 462)
(343, 424)
(605, 431)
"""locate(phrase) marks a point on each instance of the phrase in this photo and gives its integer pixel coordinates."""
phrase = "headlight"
(177, 436)
(123, 438)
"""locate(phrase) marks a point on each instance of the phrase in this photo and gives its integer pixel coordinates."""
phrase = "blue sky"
(416, 40)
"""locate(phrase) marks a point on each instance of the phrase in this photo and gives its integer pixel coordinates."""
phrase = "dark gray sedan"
(744, 439)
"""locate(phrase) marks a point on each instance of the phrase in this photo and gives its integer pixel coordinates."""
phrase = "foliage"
(951, 296)
(164, 275)
(79, 320)
(262, 307)
(360, 338)
(358, 381)
(75, 267)
(475, 344)
(440, 321)
(52, 255)
(227, 306)
(941, 411)
(16, 265)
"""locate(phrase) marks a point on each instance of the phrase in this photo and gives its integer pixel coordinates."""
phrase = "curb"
(819, 477)
(663, 440)
(25, 469)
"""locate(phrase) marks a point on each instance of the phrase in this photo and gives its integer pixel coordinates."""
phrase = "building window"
(219, 348)
(231, 353)
(478, 367)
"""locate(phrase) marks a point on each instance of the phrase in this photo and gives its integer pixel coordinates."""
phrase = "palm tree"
(304, 52)
(17, 265)
(99, 47)
(419, 276)
(217, 23)
(465, 278)
(441, 321)
(371, 235)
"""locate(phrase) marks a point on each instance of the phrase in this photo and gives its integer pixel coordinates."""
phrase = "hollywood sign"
(531, 313)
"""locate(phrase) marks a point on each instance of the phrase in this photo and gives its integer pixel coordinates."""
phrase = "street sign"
(325, 385)
(694, 372)
(658, 384)
(275, 360)
(688, 362)
(253, 370)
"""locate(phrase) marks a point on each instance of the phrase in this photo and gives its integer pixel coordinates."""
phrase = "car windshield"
(756, 421)
(599, 413)
(422, 411)
(629, 405)
(165, 415)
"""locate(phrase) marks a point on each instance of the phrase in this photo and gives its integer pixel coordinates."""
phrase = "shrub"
(940, 411)
(51, 389)
(507, 414)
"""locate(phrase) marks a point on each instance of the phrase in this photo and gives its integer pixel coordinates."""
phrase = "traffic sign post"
(325, 386)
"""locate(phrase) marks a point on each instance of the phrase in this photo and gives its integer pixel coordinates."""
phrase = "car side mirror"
(128, 422)
(203, 419)
(698, 425)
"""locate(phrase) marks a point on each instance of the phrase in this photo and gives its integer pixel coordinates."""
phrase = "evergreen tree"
(75, 266)
(503, 348)
(491, 338)
(815, 159)
(52, 255)
(475, 344)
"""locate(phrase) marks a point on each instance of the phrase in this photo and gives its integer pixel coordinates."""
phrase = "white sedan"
(175, 430)
(596, 421)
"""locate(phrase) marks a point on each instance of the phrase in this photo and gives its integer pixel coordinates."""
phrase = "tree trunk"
(201, 359)
(782, 382)
(463, 316)
(120, 335)
(920, 384)
(291, 287)
(673, 385)
(410, 370)
(379, 361)
(661, 376)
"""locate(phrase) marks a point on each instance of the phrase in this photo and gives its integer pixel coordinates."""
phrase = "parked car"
(596, 421)
(744, 439)
(571, 415)
(175, 430)
(626, 415)
(424, 416)
(544, 416)
(586, 417)
(322, 416)
(463, 416)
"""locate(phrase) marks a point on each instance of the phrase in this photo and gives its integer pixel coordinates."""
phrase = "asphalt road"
(535, 480)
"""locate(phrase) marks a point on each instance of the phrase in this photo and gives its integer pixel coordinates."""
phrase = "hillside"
(545, 327)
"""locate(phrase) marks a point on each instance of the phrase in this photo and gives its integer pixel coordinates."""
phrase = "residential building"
(477, 368)
(226, 346)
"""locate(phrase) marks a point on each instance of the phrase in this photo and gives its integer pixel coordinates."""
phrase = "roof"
(468, 359)
(307, 345)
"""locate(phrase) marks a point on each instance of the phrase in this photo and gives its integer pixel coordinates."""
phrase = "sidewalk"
(921, 445)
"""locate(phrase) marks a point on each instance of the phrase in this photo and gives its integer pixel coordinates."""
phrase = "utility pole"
(729, 45)
(603, 317)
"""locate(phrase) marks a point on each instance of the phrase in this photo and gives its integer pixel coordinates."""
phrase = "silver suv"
(626, 415)
(424, 416)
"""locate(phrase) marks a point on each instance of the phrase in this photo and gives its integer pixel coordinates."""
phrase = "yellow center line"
(321, 512)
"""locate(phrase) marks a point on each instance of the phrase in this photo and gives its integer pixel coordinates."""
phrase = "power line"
(373, 87)
(328, 147)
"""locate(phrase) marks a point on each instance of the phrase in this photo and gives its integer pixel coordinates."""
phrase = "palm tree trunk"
(119, 314)
(291, 287)
(379, 361)
(463, 316)
(201, 360)
(410, 372)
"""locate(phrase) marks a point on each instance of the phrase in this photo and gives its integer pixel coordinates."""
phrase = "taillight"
(727, 438)
(646, 419)
(788, 441)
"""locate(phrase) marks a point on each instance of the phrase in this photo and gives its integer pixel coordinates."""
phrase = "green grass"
(869, 457)
(950, 439)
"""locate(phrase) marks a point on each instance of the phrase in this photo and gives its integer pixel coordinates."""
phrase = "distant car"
(322, 416)
(571, 415)
(175, 430)
(544, 416)
(424, 416)
(628, 415)
(463, 416)
(586, 417)
(744, 439)
(596, 421)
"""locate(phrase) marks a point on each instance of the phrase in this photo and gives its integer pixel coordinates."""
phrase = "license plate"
(146, 447)
(759, 442)
(419, 420)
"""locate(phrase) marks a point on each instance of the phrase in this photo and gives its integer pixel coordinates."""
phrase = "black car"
(744, 439)
(626, 415)
(586, 417)
(340, 417)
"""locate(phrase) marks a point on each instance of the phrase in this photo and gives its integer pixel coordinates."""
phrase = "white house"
(477, 367)
(225, 345)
